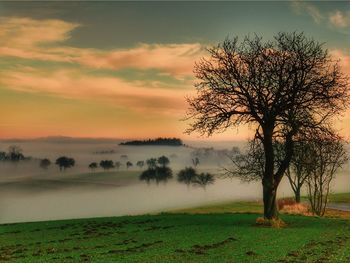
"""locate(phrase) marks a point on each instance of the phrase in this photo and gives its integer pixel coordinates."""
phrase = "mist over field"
(30, 193)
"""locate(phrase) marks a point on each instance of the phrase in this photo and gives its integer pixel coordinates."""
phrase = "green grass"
(177, 238)
(223, 232)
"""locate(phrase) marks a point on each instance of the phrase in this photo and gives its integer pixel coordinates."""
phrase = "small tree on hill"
(15, 153)
(128, 164)
(163, 161)
(186, 176)
(93, 166)
(65, 162)
(151, 163)
(45, 163)
(107, 164)
(140, 164)
(203, 180)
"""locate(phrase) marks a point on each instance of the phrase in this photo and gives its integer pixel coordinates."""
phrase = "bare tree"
(278, 87)
(328, 156)
(195, 161)
(300, 167)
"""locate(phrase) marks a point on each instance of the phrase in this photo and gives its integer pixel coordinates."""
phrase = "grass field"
(203, 234)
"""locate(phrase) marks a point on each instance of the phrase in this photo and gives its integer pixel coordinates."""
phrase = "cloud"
(301, 7)
(340, 19)
(43, 40)
(30, 33)
(74, 84)
(176, 59)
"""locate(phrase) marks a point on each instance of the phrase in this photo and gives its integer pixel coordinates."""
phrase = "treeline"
(158, 141)
(14, 154)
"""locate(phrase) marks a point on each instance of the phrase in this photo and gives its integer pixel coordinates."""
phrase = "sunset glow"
(123, 69)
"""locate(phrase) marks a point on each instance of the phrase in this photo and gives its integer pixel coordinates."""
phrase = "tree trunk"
(297, 195)
(269, 186)
(269, 197)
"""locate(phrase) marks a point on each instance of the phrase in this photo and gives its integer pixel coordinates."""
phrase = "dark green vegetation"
(177, 238)
(156, 142)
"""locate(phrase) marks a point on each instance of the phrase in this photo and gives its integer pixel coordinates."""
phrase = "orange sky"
(59, 77)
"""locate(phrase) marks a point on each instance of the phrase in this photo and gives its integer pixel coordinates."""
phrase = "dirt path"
(340, 206)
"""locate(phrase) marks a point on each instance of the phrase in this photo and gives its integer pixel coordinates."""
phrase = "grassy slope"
(177, 238)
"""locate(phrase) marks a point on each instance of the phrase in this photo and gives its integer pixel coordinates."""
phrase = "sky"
(123, 69)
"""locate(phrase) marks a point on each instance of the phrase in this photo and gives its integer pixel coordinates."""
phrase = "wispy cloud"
(43, 40)
(335, 18)
(301, 7)
(74, 84)
(340, 19)
(30, 33)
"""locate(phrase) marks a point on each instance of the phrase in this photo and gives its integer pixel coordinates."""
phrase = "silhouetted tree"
(65, 162)
(279, 87)
(186, 175)
(107, 164)
(140, 164)
(300, 168)
(327, 157)
(2, 156)
(151, 163)
(195, 161)
(203, 180)
(45, 163)
(158, 174)
(148, 175)
(163, 174)
(163, 161)
(158, 141)
(128, 164)
(15, 153)
(93, 166)
(250, 166)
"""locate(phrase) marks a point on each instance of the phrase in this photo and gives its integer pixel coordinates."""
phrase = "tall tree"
(279, 87)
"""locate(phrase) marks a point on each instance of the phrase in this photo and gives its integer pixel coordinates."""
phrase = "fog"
(30, 193)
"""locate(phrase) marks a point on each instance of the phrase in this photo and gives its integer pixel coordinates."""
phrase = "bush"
(281, 203)
(275, 223)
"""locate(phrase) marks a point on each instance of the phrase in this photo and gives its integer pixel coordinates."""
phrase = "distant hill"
(155, 142)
